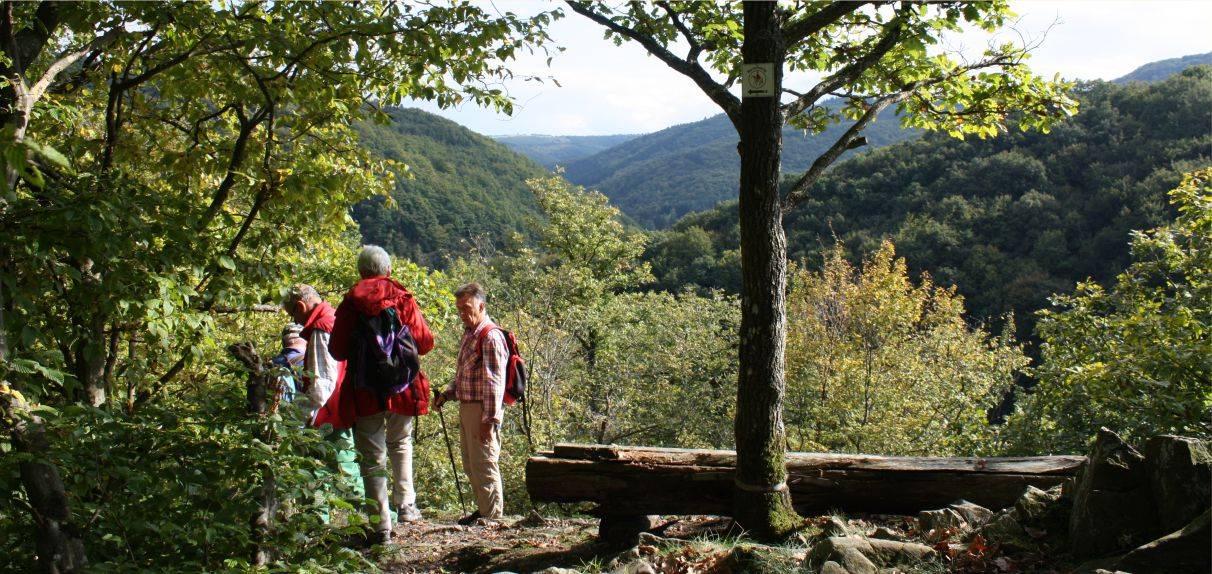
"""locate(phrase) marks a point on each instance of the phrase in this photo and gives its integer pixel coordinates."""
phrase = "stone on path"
(861, 555)
(941, 519)
(974, 514)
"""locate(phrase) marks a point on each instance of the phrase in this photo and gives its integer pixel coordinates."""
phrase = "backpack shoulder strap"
(484, 335)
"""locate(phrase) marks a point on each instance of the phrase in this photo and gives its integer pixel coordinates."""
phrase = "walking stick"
(450, 455)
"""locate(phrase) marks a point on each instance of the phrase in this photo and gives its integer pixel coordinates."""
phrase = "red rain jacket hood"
(369, 297)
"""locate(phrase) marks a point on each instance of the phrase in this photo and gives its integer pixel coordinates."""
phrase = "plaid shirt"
(481, 376)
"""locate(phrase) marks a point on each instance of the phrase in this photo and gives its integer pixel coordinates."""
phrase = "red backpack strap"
(484, 334)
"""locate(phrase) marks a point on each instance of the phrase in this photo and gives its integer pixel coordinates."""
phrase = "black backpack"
(384, 358)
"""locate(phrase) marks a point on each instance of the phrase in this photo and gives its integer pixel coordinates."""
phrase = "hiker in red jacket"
(322, 374)
(383, 425)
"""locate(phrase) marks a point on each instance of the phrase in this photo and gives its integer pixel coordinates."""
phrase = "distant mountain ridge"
(465, 187)
(660, 177)
(551, 151)
(657, 178)
(1162, 69)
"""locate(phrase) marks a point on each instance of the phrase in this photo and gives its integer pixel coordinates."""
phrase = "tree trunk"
(263, 395)
(762, 502)
(60, 550)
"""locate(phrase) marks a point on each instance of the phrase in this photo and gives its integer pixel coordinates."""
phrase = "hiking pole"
(450, 455)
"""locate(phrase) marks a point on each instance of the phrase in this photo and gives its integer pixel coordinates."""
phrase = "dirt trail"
(515, 545)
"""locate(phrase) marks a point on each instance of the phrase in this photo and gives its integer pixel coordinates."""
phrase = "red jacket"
(369, 297)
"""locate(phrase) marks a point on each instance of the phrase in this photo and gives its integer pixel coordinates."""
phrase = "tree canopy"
(169, 161)
(1135, 357)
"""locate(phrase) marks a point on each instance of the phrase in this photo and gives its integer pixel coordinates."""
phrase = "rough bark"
(762, 501)
(60, 549)
(642, 480)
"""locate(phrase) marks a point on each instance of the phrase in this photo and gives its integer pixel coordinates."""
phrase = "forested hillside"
(1162, 69)
(1008, 220)
(659, 177)
(551, 151)
(459, 187)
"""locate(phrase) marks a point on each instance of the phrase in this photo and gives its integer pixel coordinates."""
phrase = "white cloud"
(608, 90)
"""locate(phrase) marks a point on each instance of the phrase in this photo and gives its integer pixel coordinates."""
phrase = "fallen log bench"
(630, 481)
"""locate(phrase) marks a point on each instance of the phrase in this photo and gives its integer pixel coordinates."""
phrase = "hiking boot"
(379, 538)
(408, 513)
(364, 539)
(469, 519)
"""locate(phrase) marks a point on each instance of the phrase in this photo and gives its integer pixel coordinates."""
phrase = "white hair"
(373, 261)
(300, 292)
(473, 290)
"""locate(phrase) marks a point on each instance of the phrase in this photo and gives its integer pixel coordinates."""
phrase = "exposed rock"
(1034, 504)
(974, 514)
(637, 567)
(832, 567)
(846, 552)
(942, 519)
(1113, 506)
(1185, 550)
(835, 526)
(554, 570)
(1006, 531)
(1179, 477)
(885, 533)
(861, 555)
(889, 552)
(1044, 515)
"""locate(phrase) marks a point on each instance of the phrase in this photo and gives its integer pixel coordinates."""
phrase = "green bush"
(1136, 357)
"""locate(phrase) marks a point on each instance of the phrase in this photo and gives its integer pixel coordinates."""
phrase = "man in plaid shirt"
(479, 386)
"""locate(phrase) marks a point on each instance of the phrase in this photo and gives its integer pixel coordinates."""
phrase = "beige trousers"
(480, 461)
(378, 437)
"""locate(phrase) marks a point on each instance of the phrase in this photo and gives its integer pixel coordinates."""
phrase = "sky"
(603, 89)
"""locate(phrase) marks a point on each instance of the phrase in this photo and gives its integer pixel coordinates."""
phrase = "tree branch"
(31, 41)
(247, 126)
(800, 190)
(695, 47)
(66, 60)
(24, 46)
(258, 308)
(796, 31)
(849, 73)
(714, 90)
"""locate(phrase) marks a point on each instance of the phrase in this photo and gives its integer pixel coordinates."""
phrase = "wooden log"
(645, 480)
(807, 461)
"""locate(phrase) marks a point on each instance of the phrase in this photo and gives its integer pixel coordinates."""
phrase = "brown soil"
(512, 544)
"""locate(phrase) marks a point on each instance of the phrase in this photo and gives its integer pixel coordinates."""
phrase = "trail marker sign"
(757, 80)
